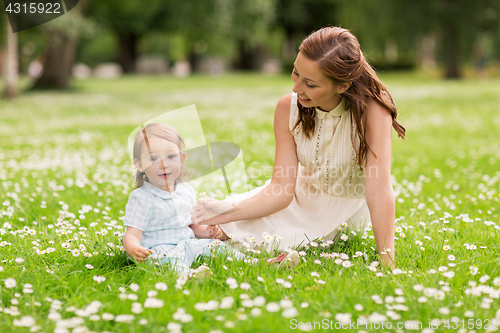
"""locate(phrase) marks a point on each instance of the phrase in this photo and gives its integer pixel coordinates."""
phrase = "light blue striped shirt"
(162, 216)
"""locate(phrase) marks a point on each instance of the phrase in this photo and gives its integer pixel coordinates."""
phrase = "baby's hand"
(141, 253)
(214, 231)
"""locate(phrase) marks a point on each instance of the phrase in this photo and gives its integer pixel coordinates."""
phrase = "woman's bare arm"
(378, 188)
(278, 194)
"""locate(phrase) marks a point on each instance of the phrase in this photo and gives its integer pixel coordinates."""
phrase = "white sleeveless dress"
(329, 189)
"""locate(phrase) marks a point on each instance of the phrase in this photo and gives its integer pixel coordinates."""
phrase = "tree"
(301, 17)
(130, 20)
(224, 26)
(63, 35)
(458, 37)
(250, 21)
(198, 23)
(12, 63)
(455, 24)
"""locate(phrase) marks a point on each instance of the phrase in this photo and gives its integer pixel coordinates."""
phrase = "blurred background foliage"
(445, 35)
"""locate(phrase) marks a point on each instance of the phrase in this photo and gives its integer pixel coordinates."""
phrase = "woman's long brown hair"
(339, 57)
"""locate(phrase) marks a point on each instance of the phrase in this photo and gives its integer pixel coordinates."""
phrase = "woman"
(333, 154)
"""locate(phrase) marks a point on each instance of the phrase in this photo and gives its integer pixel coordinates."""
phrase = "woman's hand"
(277, 195)
(140, 253)
(211, 211)
(208, 231)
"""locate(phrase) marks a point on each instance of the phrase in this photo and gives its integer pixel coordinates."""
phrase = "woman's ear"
(342, 87)
(183, 157)
(138, 165)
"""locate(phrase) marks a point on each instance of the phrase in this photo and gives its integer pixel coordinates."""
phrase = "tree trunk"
(289, 48)
(452, 53)
(127, 51)
(249, 57)
(60, 54)
(289, 51)
(452, 49)
(244, 60)
(59, 59)
(194, 60)
(12, 63)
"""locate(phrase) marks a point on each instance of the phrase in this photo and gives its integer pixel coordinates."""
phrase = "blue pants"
(182, 255)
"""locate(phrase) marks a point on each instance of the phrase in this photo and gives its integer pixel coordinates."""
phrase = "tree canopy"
(245, 33)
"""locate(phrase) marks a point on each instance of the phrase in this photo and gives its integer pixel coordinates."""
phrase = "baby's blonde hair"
(162, 131)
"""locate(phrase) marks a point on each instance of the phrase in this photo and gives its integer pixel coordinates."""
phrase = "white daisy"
(10, 283)
(347, 264)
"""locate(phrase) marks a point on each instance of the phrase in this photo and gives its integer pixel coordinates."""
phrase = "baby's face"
(162, 162)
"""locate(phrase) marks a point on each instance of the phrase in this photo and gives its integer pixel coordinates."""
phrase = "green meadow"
(65, 175)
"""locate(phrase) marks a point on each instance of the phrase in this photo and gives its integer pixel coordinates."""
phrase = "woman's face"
(313, 88)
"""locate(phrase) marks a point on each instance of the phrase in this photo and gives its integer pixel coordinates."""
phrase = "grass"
(65, 178)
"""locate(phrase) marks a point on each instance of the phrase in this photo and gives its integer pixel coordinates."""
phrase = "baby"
(158, 212)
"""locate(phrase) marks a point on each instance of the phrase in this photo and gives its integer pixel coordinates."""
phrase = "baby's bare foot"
(201, 272)
(278, 259)
(292, 260)
(288, 259)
